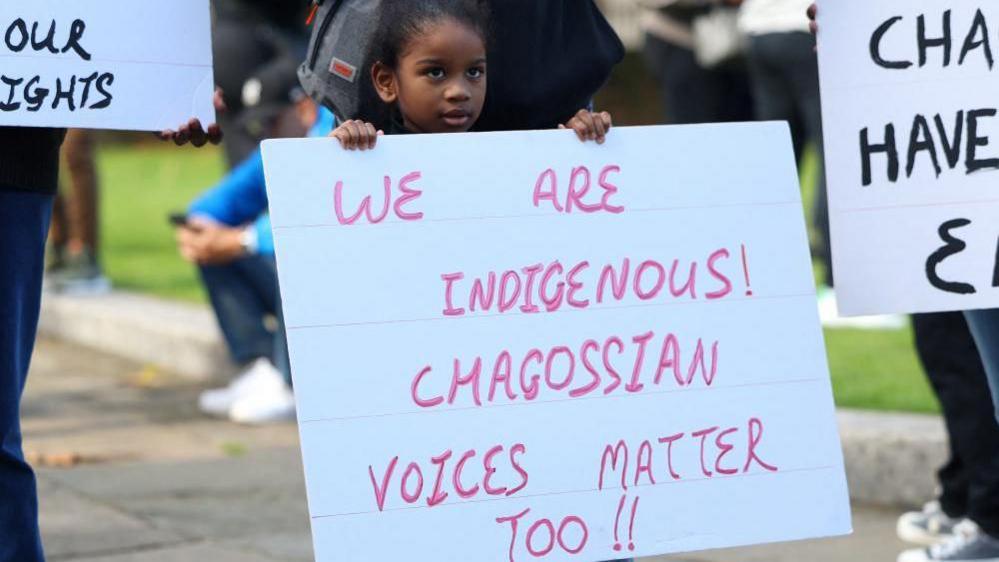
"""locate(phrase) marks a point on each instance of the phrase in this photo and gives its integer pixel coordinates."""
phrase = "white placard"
(106, 64)
(914, 220)
(470, 359)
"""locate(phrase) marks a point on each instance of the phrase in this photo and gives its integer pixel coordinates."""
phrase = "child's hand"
(589, 125)
(356, 135)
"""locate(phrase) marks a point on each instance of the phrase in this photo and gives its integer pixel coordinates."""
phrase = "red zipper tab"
(312, 13)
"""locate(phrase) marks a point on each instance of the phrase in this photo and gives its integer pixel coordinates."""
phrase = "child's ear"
(383, 79)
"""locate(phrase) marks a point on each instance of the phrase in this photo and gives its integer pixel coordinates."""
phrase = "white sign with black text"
(911, 116)
(105, 64)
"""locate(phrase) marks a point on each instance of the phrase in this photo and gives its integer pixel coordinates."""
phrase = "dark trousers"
(244, 294)
(970, 481)
(985, 327)
(785, 77)
(24, 223)
(693, 94)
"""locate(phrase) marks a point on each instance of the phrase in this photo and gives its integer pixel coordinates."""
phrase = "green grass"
(140, 186)
(871, 370)
(143, 183)
(878, 370)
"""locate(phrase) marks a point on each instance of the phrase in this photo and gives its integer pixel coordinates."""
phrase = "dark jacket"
(547, 60)
(29, 159)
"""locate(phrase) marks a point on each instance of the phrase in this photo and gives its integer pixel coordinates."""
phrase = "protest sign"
(105, 64)
(911, 127)
(517, 346)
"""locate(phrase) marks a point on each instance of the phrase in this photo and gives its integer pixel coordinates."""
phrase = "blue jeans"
(24, 222)
(984, 326)
(243, 294)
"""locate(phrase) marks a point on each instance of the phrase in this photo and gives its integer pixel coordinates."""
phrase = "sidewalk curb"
(891, 459)
(182, 338)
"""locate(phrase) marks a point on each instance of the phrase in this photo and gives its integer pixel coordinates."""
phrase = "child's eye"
(476, 72)
(435, 73)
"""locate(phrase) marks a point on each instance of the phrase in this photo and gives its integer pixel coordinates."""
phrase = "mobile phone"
(178, 219)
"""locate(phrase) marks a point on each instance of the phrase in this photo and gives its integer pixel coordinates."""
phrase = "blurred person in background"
(694, 50)
(785, 79)
(247, 36)
(29, 174)
(73, 265)
(228, 236)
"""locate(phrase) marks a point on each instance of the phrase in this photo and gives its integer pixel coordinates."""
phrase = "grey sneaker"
(969, 544)
(80, 275)
(927, 527)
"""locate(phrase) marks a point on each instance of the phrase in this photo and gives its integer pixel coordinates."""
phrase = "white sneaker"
(829, 313)
(969, 544)
(219, 401)
(927, 527)
(272, 403)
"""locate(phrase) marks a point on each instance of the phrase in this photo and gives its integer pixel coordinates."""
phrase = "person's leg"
(24, 221)
(59, 227)
(58, 234)
(78, 152)
(984, 326)
(971, 483)
(262, 272)
(240, 308)
(75, 221)
(281, 359)
(273, 402)
(244, 296)
(736, 92)
(801, 73)
(691, 94)
(952, 365)
(771, 93)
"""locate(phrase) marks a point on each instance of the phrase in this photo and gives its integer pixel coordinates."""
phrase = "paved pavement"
(131, 472)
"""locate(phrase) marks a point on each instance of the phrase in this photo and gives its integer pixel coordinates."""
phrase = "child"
(428, 69)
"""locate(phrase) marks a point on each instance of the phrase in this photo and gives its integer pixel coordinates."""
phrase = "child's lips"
(457, 118)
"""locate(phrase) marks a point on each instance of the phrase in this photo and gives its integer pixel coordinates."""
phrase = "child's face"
(440, 82)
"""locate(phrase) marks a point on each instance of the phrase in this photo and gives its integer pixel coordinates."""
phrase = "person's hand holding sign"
(590, 125)
(356, 135)
(194, 132)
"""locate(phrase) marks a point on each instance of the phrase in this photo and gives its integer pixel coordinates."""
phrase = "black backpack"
(547, 59)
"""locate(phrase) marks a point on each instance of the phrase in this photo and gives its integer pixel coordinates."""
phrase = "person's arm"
(239, 198)
(205, 242)
(264, 235)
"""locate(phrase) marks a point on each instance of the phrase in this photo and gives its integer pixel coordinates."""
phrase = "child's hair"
(403, 20)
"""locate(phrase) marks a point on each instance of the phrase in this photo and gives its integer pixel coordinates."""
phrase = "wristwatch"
(248, 240)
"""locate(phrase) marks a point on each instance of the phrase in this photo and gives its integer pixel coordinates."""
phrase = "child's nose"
(457, 92)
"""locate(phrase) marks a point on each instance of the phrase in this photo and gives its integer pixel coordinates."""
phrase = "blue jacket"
(241, 197)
